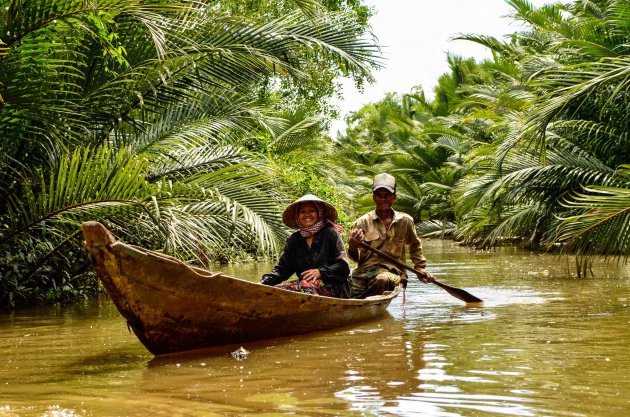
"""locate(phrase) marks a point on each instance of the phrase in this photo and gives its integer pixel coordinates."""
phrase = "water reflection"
(374, 363)
(542, 344)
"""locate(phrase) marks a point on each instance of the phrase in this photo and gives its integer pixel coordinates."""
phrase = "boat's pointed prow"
(96, 234)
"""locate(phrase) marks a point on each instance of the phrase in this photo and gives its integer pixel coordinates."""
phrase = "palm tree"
(567, 142)
(135, 114)
(408, 137)
(602, 223)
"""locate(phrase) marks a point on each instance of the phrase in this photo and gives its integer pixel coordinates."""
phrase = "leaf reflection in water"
(539, 346)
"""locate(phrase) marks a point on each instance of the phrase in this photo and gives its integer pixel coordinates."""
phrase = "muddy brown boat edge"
(173, 307)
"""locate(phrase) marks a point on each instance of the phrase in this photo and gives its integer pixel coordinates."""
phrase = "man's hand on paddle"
(424, 275)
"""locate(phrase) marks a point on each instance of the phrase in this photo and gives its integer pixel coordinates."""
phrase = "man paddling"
(388, 231)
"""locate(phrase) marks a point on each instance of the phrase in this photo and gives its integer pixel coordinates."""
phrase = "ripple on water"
(540, 345)
(457, 404)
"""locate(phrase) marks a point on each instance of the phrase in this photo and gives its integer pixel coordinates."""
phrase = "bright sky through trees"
(416, 35)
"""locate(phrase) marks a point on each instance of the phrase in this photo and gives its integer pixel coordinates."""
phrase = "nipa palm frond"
(84, 182)
(249, 195)
(603, 226)
(296, 135)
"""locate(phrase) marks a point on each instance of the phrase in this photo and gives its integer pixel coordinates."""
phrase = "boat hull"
(172, 307)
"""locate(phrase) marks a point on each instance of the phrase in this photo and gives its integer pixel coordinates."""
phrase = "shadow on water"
(278, 342)
(94, 366)
(371, 364)
(543, 344)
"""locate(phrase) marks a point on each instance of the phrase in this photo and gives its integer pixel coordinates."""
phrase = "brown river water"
(544, 343)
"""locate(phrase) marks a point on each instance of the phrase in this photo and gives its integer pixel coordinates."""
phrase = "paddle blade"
(459, 293)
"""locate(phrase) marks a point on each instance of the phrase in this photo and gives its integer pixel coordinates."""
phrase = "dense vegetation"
(531, 146)
(186, 127)
(162, 120)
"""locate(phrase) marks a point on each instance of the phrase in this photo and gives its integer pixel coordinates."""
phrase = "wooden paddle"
(455, 292)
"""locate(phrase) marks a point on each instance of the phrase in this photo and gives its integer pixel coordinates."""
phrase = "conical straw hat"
(289, 217)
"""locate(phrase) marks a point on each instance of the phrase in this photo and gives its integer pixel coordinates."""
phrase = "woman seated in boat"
(315, 252)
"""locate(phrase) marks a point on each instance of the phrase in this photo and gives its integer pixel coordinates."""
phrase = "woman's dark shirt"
(326, 254)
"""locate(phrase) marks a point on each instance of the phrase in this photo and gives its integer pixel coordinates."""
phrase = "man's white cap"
(385, 181)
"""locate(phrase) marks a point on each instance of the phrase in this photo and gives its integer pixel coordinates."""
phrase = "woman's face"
(308, 214)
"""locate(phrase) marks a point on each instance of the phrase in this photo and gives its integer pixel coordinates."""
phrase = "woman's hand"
(311, 275)
(270, 279)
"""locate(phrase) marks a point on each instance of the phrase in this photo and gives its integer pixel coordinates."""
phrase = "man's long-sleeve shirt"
(392, 241)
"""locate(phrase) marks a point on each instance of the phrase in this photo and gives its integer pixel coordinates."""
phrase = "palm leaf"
(297, 135)
(85, 180)
(603, 225)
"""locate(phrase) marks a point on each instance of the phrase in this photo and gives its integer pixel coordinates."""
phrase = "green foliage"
(409, 138)
(308, 94)
(602, 224)
(529, 147)
(148, 117)
(566, 140)
(27, 277)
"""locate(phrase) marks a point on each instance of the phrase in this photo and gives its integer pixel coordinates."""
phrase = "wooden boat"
(173, 307)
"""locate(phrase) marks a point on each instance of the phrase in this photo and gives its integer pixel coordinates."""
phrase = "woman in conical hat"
(314, 253)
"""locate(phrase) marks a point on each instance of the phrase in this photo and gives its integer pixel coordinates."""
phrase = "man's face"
(383, 199)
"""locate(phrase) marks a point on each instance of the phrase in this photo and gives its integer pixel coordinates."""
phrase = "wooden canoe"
(173, 307)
